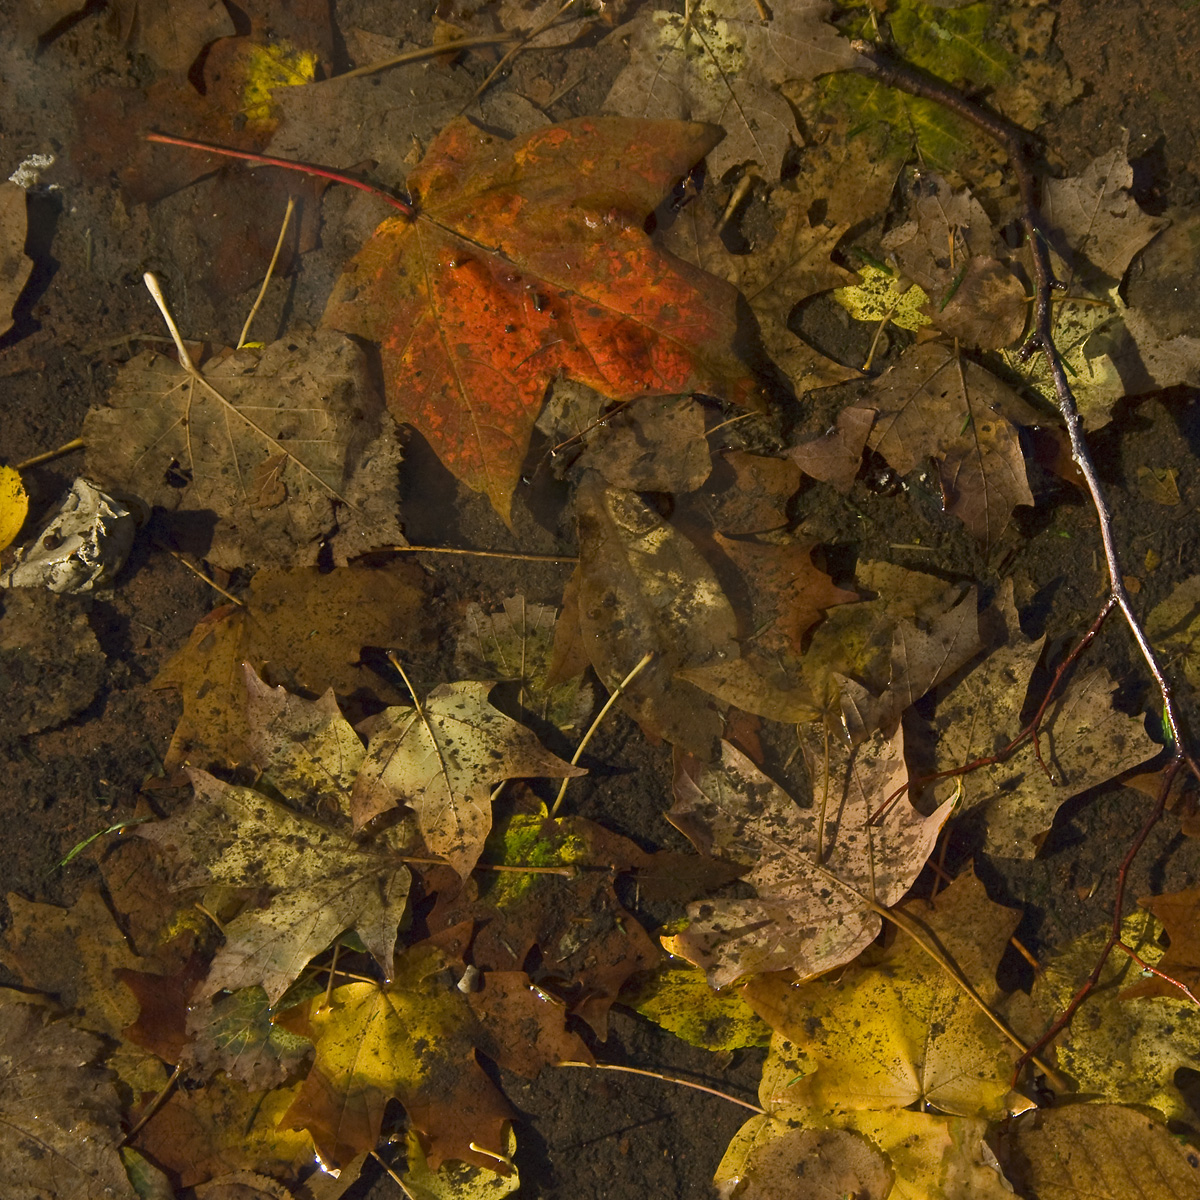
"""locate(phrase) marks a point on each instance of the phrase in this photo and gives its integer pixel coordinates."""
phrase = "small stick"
(699, 1087)
(216, 587)
(65, 448)
(565, 558)
(262, 291)
(499, 39)
(512, 53)
(185, 359)
(152, 1107)
(587, 737)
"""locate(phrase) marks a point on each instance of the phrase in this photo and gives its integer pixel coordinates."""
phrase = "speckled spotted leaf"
(442, 758)
(820, 873)
(528, 259)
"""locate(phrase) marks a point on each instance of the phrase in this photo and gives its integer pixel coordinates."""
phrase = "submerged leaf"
(528, 258)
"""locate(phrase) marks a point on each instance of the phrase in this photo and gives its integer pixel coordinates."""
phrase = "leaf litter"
(290, 996)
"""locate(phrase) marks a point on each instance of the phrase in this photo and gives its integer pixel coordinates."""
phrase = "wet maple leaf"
(819, 873)
(1177, 911)
(528, 259)
(442, 758)
(412, 1039)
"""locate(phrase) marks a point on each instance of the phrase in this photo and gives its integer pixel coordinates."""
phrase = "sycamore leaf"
(719, 63)
(320, 882)
(1127, 1051)
(15, 267)
(528, 258)
(820, 873)
(289, 446)
(1102, 1151)
(304, 629)
(442, 758)
(59, 1115)
(897, 1030)
(930, 403)
(588, 946)
(412, 1039)
(644, 587)
(1084, 740)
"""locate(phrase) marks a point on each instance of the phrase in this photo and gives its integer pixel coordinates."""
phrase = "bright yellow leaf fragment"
(456, 1180)
(880, 297)
(14, 505)
(277, 65)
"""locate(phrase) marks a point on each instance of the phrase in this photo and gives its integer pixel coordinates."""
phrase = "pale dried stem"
(587, 737)
(262, 291)
(699, 1087)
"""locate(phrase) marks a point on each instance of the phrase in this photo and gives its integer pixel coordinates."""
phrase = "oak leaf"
(1177, 911)
(526, 259)
(442, 757)
(820, 874)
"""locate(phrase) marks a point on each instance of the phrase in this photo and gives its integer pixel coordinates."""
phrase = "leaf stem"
(267, 160)
(262, 291)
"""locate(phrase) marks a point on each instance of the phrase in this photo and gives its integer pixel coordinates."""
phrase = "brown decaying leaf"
(14, 266)
(644, 587)
(1102, 1151)
(528, 258)
(835, 1163)
(524, 1027)
(988, 308)
(653, 445)
(836, 457)
(171, 34)
(276, 634)
(286, 445)
(1084, 740)
(588, 945)
(757, 500)
(819, 872)
(933, 403)
(59, 1115)
(441, 758)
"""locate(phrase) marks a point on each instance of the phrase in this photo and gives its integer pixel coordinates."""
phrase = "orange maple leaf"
(526, 259)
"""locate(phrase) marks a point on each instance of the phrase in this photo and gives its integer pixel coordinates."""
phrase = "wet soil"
(584, 1134)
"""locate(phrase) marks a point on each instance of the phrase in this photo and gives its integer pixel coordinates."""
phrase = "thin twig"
(512, 554)
(262, 291)
(65, 448)
(497, 39)
(216, 587)
(587, 737)
(699, 1087)
(152, 1107)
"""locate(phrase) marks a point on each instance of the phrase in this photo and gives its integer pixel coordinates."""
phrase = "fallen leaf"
(757, 500)
(1084, 741)
(442, 757)
(456, 1180)
(678, 998)
(880, 296)
(210, 1132)
(1126, 1051)
(819, 873)
(516, 644)
(835, 1162)
(1181, 961)
(896, 1030)
(1159, 485)
(643, 587)
(988, 307)
(413, 1039)
(719, 64)
(524, 1028)
(15, 267)
(171, 34)
(528, 258)
(319, 881)
(1174, 626)
(932, 403)
(1103, 1151)
(289, 446)
(588, 946)
(836, 457)
(14, 505)
(275, 632)
(652, 446)
(929, 1156)
(59, 1114)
